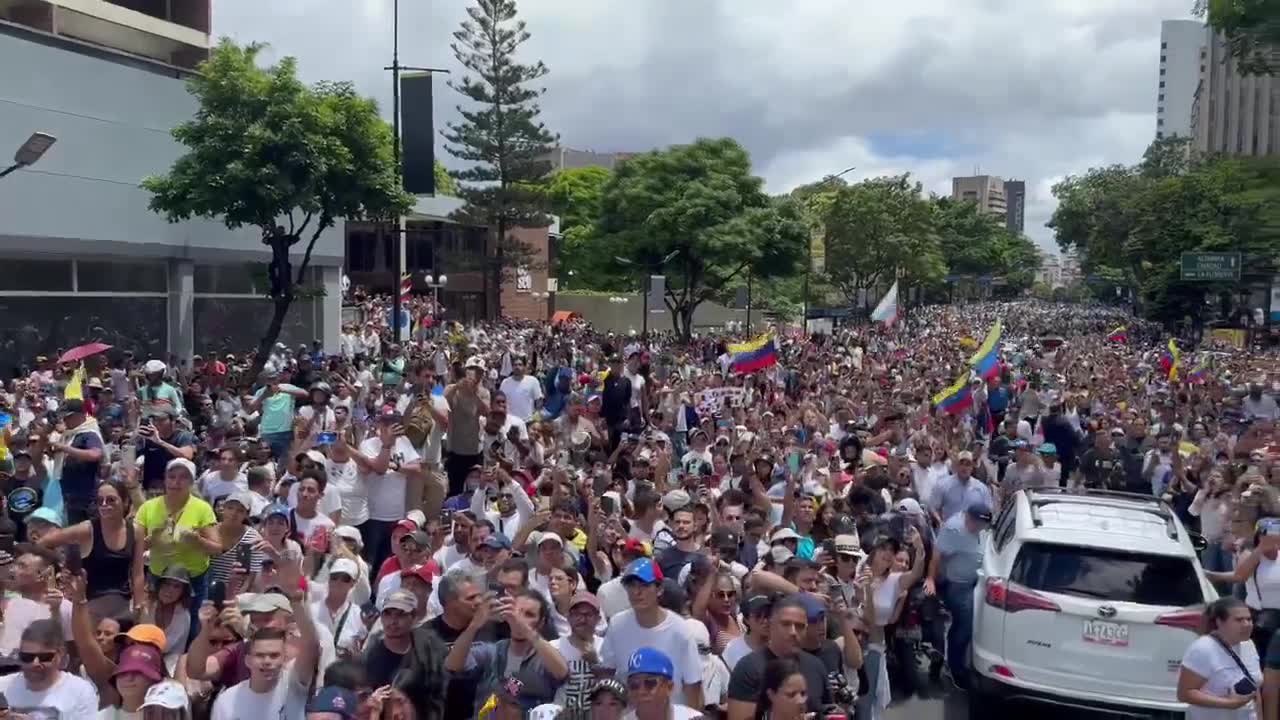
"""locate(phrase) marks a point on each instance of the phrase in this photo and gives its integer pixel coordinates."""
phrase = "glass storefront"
(31, 326)
(236, 324)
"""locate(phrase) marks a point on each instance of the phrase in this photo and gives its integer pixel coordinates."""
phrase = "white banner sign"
(716, 399)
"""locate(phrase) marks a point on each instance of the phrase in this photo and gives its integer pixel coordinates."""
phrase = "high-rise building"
(173, 33)
(1015, 198)
(987, 191)
(1234, 114)
(1181, 44)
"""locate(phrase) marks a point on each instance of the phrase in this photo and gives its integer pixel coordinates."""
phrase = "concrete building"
(1181, 43)
(1050, 272)
(1234, 114)
(985, 190)
(1015, 198)
(82, 258)
(567, 159)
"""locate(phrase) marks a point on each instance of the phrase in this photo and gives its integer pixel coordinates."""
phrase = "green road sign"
(1210, 266)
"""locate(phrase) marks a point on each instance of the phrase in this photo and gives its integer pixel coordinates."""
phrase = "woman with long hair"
(881, 590)
(715, 604)
(237, 537)
(1220, 675)
(277, 535)
(111, 548)
(168, 608)
(784, 692)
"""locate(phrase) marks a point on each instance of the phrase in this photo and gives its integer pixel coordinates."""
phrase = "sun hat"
(146, 660)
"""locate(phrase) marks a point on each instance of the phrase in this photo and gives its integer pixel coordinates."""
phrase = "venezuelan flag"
(1120, 334)
(754, 355)
(1200, 373)
(956, 398)
(986, 361)
(1169, 360)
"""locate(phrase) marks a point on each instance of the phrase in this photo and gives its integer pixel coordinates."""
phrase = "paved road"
(955, 706)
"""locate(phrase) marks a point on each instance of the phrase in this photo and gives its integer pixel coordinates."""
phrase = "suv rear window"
(1107, 575)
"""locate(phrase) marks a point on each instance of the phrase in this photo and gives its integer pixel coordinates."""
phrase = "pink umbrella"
(82, 352)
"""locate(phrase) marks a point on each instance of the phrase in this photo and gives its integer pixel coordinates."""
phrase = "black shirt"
(381, 664)
(460, 697)
(1102, 469)
(156, 458)
(747, 680)
(673, 559)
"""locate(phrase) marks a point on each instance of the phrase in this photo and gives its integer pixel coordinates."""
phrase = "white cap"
(153, 366)
(418, 517)
(345, 566)
(167, 694)
(475, 361)
(183, 463)
(347, 532)
(783, 534)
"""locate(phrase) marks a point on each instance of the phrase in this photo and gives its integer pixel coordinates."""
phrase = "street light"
(31, 151)
(436, 283)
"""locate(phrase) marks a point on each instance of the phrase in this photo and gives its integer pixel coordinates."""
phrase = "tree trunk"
(685, 321)
(280, 309)
(280, 271)
(499, 256)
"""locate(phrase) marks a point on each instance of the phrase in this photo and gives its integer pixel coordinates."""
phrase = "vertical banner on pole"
(417, 133)
(657, 292)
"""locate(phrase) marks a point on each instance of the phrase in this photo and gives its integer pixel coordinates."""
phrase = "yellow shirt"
(167, 550)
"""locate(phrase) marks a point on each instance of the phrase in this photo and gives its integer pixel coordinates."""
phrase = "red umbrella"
(82, 352)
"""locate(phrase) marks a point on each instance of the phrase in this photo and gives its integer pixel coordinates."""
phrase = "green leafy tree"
(445, 184)
(878, 231)
(501, 136)
(575, 195)
(1251, 29)
(265, 150)
(697, 214)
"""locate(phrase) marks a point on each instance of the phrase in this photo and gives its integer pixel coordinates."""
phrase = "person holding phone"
(1220, 675)
(110, 549)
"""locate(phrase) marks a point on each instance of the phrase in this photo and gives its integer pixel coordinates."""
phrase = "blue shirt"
(998, 399)
(959, 550)
(953, 495)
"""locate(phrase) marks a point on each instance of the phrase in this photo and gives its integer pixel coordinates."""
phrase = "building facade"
(82, 257)
(1181, 46)
(1015, 198)
(563, 158)
(1234, 114)
(987, 191)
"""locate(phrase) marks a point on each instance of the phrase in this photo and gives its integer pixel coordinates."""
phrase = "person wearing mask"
(954, 569)
(42, 688)
(468, 402)
(277, 687)
(159, 441)
(411, 657)
(1220, 675)
(276, 402)
(180, 530)
(648, 624)
(524, 392)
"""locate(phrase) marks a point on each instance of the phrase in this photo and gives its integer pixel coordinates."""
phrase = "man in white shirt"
(275, 689)
(43, 689)
(387, 459)
(524, 392)
(337, 613)
(512, 507)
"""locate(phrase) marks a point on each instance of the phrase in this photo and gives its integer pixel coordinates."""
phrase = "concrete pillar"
(182, 327)
(330, 319)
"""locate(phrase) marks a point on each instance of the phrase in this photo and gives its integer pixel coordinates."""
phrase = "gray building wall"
(82, 201)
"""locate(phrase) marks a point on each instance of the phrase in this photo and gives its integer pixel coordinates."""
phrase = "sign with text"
(1210, 266)
(715, 400)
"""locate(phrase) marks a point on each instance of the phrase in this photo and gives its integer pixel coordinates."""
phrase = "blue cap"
(47, 514)
(497, 541)
(979, 511)
(1020, 444)
(334, 700)
(276, 509)
(650, 661)
(813, 607)
(644, 570)
(1047, 449)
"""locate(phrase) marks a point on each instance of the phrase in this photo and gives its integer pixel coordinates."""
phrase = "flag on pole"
(887, 310)
(957, 398)
(754, 355)
(406, 287)
(1120, 334)
(1169, 360)
(986, 361)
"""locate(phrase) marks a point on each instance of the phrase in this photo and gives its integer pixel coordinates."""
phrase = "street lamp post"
(30, 151)
(436, 283)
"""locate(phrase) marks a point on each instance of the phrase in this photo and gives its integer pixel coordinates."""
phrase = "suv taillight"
(1012, 597)
(1188, 619)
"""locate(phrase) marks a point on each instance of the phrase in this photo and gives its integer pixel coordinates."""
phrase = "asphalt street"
(955, 706)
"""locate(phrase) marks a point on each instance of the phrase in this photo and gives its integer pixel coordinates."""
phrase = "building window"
(1160, 108)
(1161, 98)
(362, 250)
(1159, 134)
(1162, 71)
(1161, 83)
(1159, 121)
(1164, 45)
(233, 279)
(126, 277)
(1163, 58)
(1202, 69)
(25, 275)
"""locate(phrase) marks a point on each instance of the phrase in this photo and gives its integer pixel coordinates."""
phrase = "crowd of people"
(514, 520)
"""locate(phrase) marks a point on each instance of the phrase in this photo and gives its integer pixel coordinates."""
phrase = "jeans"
(868, 705)
(958, 597)
(1216, 558)
(279, 443)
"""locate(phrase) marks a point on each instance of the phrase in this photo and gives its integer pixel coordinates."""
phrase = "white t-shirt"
(637, 387)
(70, 698)
(735, 651)
(213, 487)
(885, 597)
(330, 501)
(308, 526)
(613, 598)
(575, 692)
(20, 613)
(1207, 658)
(626, 635)
(345, 478)
(286, 701)
(521, 395)
(386, 492)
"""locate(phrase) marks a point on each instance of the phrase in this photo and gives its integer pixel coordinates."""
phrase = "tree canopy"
(1251, 29)
(574, 195)
(696, 214)
(267, 151)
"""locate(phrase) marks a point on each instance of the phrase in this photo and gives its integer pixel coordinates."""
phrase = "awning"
(563, 315)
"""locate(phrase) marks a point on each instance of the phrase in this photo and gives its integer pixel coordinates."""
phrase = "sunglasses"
(108, 501)
(726, 594)
(30, 657)
(646, 683)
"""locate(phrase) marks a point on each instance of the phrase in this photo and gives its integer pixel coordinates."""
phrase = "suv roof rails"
(1151, 505)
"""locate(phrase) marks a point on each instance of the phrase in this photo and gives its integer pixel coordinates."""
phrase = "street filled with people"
(523, 520)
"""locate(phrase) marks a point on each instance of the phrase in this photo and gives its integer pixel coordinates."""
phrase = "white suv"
(1086, 600)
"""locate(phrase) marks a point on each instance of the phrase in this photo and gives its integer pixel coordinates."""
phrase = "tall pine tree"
(501, 137)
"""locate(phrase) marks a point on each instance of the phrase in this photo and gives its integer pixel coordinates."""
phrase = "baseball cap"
(813, 607)
(243, 498)
(402, 600)
(422, 572)
(47, 514)
(497, 541)
(167, 694)
(335, 700)
(550, 537)
(781, 534)
(848, 545)
(145, 660)
(1047, 449)
(650, 661)
(347, 532)
(71, 406)
(344, 566)
(611, 686)
(183, 463)
(964, 455)
(756, 604)
(275, 509)
(406, 526)
(144, 634)
(910, 506)
(263, 603)
(644, 570)
(724, 539)
(584, 598)
(979, 511)
(153, 366)
(314, 456)
(675, 500)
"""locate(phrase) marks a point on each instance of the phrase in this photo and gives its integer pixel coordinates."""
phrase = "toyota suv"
(1086, 600)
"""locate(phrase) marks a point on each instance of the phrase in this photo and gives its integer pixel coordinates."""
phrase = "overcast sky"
(1030, 90)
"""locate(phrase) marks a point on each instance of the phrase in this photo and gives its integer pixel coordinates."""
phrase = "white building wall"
(1180, 44)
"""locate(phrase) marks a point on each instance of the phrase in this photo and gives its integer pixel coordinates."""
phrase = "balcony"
(142, 28)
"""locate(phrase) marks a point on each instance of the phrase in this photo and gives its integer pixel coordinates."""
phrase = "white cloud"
(1034, 91)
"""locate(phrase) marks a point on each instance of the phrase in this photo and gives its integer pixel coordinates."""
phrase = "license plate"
(1106, 633)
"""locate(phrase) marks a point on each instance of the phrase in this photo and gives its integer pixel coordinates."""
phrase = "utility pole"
(398, 237)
